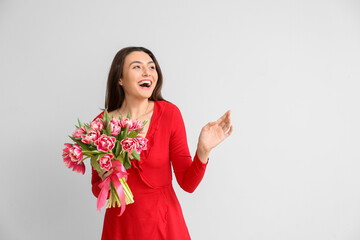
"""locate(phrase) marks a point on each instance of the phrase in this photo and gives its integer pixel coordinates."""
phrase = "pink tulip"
(75, 153)
(92, 135)
(142, 144)
(115, 126)
(79, 132)
(137, 125)
(105, 143)
(80, 168)
(105, 161)
(125, 121)
(73, 158)
(97, 124)
(129, 144)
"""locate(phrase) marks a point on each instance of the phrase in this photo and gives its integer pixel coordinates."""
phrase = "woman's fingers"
(105, 174)
(225, 121)
(223, 117)
(101, 175)
(108, 173)
(214, 133)
(229, 132)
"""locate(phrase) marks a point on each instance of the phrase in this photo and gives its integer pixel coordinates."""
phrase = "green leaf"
(131, 134)
(80, 124)
(121, 134)
(82, 145)
(118, 148)
(126, 131)
(108, 130)
(117, 137)
(106, 119)
(104, 115)
(120, 158)
(93, 148)
(127, 163)
(134, 134)
(136, 155)
(94, 162)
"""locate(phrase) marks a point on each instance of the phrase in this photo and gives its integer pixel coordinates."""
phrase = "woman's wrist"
(202, 153)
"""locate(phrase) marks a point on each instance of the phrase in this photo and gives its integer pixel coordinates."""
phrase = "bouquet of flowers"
(109, 143)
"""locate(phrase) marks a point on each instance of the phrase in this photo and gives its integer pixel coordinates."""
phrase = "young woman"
(134, 86)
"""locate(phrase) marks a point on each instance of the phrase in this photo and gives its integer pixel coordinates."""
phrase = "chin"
(145, 96)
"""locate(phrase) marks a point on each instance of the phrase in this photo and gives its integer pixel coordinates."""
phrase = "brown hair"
(115, 94)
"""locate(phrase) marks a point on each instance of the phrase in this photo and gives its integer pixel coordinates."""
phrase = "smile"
(145, 83)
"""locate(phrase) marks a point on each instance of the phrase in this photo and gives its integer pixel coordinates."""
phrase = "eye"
(152, 67)
(136, 66)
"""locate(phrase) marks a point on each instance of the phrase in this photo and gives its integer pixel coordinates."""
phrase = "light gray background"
(289, 71)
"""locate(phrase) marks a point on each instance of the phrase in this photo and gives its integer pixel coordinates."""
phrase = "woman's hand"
(105, 174)
(212, 134)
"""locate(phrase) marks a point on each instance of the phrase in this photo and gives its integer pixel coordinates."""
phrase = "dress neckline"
(148, 133)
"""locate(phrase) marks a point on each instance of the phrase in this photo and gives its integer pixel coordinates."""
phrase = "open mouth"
(145, 83)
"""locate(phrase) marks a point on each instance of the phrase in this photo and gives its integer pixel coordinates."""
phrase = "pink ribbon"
(119, 171)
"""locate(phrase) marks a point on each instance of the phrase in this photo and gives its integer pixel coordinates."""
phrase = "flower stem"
(114, 198)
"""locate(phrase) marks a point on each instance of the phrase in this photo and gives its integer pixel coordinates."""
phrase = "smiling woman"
(115, 94)
(139, 76)
(134, 86)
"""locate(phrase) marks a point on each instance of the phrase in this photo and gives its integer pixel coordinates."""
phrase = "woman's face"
(139, 75)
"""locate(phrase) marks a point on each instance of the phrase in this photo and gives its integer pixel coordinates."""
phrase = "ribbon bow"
(118, 172)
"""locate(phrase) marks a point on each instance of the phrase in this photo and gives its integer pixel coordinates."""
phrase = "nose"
(146, 72)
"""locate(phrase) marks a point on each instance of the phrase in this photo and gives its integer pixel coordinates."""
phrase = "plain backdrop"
(288, 69)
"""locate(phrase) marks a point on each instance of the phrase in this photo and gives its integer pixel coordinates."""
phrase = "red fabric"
(156, 212)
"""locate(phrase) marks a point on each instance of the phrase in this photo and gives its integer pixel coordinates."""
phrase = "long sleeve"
(188, 173)
(95, 181)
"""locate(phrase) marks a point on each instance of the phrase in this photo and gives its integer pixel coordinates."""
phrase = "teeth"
(145, 83)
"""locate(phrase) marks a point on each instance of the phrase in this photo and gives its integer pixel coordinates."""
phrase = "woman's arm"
(97, 178)
(189, 173)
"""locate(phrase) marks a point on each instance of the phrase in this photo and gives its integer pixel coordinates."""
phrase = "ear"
(120, 82)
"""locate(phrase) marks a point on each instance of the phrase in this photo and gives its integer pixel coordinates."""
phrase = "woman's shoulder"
(167, 106)
(100, 115)
(168, 111)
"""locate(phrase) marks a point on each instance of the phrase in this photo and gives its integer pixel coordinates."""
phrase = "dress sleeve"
(95, 181)
(188, 173)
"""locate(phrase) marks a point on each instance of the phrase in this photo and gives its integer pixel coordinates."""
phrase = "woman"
(134, 86)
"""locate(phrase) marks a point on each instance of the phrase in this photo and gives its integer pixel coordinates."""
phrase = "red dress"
(156, 212)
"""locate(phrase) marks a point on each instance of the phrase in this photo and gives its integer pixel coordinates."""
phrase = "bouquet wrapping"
(109, 143)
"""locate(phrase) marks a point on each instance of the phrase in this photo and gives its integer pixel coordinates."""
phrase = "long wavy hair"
(115, 94)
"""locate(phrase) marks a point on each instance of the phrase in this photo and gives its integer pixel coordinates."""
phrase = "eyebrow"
(140, 62)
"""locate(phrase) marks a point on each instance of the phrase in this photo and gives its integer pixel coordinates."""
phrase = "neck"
(136, 107)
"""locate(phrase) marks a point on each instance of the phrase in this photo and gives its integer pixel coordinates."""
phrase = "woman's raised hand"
(212, 134)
